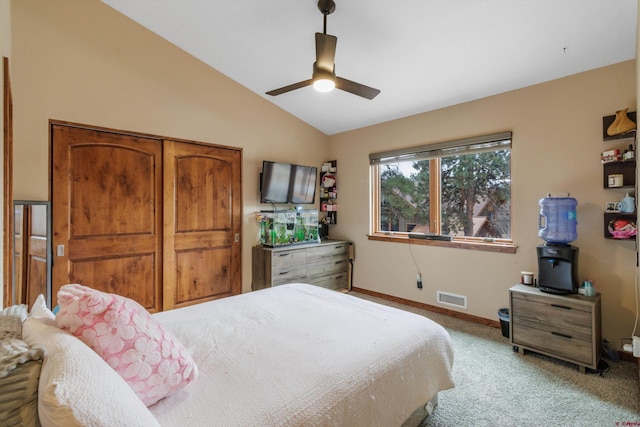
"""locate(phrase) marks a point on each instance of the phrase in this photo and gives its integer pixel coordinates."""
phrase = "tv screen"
(287, 183)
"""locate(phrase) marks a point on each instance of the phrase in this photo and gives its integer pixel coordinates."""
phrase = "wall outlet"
(636, 346)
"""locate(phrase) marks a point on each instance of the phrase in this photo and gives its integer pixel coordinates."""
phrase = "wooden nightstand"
(566, 327)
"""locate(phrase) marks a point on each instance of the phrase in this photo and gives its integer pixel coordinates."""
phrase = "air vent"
(447, 298)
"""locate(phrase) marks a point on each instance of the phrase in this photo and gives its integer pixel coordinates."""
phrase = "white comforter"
(301, 355)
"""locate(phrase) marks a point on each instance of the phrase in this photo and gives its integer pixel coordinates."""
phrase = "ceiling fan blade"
(289, 88)
(325, 51)
(356, 88)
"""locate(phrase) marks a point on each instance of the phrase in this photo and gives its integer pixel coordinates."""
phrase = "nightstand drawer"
(565, 302)
(552, 318)
(557, 343)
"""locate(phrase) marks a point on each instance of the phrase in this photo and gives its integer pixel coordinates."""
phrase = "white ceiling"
(422, 54)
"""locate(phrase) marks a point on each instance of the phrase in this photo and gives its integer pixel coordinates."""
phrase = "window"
(460, 189)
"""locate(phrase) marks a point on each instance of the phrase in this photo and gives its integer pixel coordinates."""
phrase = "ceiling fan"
(324, 77)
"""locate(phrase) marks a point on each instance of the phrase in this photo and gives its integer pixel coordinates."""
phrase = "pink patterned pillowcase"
(148, 357)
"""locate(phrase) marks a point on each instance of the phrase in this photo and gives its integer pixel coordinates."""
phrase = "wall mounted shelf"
(608, 120)
(627, 168)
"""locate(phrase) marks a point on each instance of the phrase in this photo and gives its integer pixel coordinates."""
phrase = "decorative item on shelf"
(629, 154)
(627, 204)
(621, 124)
(616, 180)
(328, 180)
(622, 228)
(329, 166)
(612, 207)
(610, 156)
(329, 207)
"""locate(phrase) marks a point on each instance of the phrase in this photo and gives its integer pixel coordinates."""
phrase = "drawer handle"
(284, 272)
(285, 254)
(338, 277)
(561, 306)
(561, 335)
(340, 262)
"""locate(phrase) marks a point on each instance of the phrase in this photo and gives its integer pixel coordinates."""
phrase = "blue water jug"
(558, 220)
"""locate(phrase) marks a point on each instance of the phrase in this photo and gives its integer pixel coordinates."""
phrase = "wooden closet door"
(106, 204)
(202, 223)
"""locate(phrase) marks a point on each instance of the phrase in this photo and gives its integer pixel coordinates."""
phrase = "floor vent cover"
(447, 298)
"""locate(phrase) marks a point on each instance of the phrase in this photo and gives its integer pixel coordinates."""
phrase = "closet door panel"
(202, 273)
(201, 223)
(107, 195)
(122, 276)
(114, 185)
(203, 188)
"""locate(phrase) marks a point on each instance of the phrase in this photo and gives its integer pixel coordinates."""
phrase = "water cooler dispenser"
(557, 259)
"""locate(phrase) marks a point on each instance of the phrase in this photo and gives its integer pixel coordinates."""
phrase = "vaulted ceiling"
(422, 54)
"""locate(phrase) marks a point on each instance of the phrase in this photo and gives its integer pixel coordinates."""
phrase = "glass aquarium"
(288, 227)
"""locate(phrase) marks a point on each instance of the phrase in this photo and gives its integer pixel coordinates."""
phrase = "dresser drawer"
(552, 317)
(330, 265)
(320, 253)
(556, 343)
(282, 261)
(291, 275)
(334, 281)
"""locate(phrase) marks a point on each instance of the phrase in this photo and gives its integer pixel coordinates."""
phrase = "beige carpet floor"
(496, 386)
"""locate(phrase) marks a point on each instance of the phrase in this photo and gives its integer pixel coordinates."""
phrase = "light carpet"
(496, 386)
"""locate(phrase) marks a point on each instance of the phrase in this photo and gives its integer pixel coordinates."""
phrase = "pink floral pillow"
(147, 356)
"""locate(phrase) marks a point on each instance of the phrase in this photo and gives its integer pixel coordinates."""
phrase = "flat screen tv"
(287, 183)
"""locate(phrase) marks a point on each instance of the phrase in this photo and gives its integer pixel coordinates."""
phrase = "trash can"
(503, 315)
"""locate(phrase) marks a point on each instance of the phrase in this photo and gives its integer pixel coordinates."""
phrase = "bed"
(291, 355)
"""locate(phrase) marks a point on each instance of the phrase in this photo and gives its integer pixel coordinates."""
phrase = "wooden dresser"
(323, 264)
(566, 327)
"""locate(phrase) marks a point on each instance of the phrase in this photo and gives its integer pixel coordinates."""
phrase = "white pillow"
(40, 311)
(77, 387)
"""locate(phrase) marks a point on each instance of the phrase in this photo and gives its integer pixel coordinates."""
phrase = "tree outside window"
(462, 195)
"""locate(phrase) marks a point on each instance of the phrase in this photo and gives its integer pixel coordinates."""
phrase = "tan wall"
(557, 141)
(81, 61)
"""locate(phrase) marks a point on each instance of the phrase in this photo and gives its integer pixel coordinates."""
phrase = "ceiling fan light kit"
(324, 84)
(323, 81)
(324, 78)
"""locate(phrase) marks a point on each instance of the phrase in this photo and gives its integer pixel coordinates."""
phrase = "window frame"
(433, 153)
